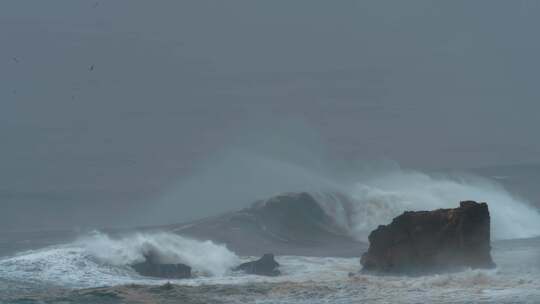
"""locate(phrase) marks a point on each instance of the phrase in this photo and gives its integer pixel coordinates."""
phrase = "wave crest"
(204, 256)
(377, 200)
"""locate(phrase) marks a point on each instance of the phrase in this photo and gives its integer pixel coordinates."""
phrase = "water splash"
(101, 260)
(376, 199)
(203, 256)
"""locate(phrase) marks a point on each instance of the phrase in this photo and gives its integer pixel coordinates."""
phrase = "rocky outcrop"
(266, 265)
(151, 267)
(432, 241)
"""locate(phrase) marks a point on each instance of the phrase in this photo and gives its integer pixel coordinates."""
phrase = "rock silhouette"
(266, 265)
(151, 267)
(432, 241)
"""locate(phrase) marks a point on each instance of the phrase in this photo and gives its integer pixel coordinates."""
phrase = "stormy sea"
(269, 152)
(317, 237)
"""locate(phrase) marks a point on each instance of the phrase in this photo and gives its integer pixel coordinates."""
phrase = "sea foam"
(203, 256)
(376, 199)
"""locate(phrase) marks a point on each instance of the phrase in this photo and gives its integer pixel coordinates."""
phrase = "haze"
(106, 106)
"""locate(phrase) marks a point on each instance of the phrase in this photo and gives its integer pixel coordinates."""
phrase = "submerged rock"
(432, 241)
(266, 265)
(151, 267)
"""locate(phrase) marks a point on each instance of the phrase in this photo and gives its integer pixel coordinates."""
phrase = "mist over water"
(358, 198)
(159, 121)
(365, 196)
(233, 180)
(381, 197)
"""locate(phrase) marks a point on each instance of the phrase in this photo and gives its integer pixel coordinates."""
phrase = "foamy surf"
(97, 260)
(68, 271)
(377, 199)
(205, 257)
(101, 260)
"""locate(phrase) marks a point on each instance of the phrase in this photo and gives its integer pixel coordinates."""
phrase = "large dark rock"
(151, 267)
(432, 241)
(266, 265)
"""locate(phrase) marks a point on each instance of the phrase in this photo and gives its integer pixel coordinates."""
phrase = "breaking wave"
(203, 256)
(358, 198)
(101, 260)
(376, 200)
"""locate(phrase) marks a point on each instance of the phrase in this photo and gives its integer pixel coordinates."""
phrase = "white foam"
(100, 260)
(303, 279)
(376, 199)
(65, 266)
(202, 256)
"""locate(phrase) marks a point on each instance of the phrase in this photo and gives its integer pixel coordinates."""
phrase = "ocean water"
(94, 269)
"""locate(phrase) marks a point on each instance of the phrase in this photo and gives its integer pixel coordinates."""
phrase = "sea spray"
(98, 259)
(376, 199)
(359, 196)
(202, 256)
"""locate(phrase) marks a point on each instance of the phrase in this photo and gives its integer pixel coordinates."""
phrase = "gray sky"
(105, 106)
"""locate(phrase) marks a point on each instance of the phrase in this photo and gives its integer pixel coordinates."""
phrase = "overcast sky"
(107, 105)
